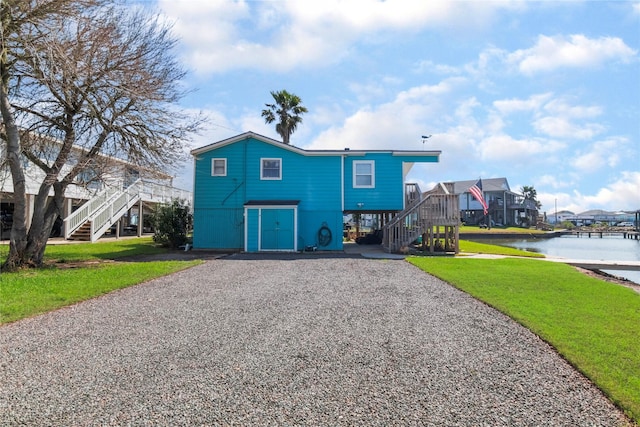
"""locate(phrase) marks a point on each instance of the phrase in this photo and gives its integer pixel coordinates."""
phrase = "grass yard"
(592, 323)
(483, 248)
(30, 292)
(499, 230)
(107, 250)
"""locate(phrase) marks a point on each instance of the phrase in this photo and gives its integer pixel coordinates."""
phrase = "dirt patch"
(79, 264)
(175, 256)
(166, 256)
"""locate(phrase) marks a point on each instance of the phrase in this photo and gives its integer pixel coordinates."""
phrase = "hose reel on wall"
(324, 235)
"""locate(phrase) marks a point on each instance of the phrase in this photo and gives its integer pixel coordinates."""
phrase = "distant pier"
(625, 234)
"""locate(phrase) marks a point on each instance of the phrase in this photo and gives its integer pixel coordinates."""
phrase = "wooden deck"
(435, 217)
(600, 234)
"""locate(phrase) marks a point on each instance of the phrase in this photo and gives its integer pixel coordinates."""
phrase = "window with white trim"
(364, 175)
(271, 169)
(218, 167)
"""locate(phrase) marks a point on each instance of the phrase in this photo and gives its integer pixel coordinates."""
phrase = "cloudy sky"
(542, 93)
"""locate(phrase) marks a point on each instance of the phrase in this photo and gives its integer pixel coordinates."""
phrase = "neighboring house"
(560, 216)
(254, 193)
(112, 191)
(599, 216)
(505, 206)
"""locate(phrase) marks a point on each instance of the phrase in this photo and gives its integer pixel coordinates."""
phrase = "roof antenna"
(424, 139)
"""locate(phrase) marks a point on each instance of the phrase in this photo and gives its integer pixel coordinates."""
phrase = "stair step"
(84, 232)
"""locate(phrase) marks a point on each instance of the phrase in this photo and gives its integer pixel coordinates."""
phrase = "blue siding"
(218, 221)
(218, 228)
(310, 225)
(388, 193)
(314, 180)
(221, 191)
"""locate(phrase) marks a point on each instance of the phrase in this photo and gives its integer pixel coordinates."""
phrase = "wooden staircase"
(83, 233)
(96, 216)
(424, 217)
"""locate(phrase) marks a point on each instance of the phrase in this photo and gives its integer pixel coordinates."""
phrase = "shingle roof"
(346, 151)
(488, 184)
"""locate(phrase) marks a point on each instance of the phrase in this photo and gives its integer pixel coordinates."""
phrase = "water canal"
(606, 248)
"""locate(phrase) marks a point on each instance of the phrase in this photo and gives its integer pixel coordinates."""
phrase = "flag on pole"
(476, 191)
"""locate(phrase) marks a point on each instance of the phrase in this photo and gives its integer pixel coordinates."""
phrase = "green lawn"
(101, 250)
(483, 248)
(29, 292)
(592, 323)
(499, 230)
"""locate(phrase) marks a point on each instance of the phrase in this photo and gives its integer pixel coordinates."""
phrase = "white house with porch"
(117, 198)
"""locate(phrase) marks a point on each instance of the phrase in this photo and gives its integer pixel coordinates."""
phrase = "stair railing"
(408, 225)
(84, 212)
(412, 194)
(160, 193)
(108, 205)
(110, 212)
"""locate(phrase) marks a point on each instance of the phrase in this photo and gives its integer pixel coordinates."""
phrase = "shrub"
(172, 223)
(567, 225)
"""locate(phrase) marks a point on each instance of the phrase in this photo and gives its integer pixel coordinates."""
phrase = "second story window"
(364, 174)
(218, 167)
(271, 169)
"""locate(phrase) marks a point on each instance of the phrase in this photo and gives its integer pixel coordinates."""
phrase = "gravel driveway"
(299, 341)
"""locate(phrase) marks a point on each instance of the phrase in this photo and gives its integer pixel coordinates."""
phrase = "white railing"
(110, 213)
(110, 204)
(160, 193)
(84, 212)
(408, 225)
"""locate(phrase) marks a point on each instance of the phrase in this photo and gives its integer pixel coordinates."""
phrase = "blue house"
(253, 193)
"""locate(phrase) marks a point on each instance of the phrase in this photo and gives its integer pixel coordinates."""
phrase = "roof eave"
(346, 152)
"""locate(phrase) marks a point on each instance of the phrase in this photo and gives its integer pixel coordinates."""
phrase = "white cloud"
(222, 35)
(432, 67)
(600, 154)
(503, 147)
(192, 20)
(532, 104)
(561, 106)
(560, 121)
(552, 181)
(465, 110)
(326, 115)
(397, 124)
(553, 117)
(622, 194)
(562, 127)
(367, 91)
(577, 51)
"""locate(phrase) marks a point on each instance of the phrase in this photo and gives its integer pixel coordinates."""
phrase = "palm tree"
(287, 108)
(530, 193)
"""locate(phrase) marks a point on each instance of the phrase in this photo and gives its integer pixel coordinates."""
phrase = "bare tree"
(18, 21)
(99, 82)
